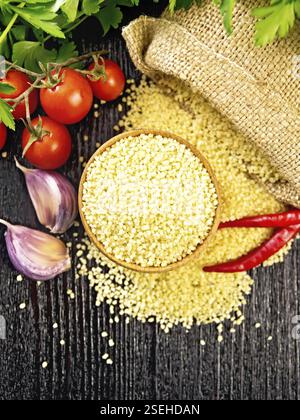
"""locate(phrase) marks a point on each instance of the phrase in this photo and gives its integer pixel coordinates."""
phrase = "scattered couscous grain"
(70, 292)
(55, 326)
(85, 138)
(257, 325)
(104, 334)
(62, 343)
(203, 343)
(105, 356)
(22, 306)
(45, 365)
(109, 362)
(188, 295)
(111, 343)
(270, 338)
(19, 278)
(220, 328)
(4, 155)
(149, 200)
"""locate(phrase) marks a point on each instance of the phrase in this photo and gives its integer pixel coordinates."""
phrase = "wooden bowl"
(136, 267)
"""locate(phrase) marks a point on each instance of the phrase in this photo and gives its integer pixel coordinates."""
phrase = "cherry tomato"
(51, 151)
(69, 101)
(3, 134)
(113, 86)
(21, 83)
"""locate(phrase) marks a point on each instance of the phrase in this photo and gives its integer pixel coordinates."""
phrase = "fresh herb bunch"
(26, 26)
(274, 20)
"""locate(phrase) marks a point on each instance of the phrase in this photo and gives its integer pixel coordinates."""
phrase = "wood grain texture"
(148, 364)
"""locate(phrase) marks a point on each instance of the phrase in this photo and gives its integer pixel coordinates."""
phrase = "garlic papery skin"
(53, 197)
(35, 254)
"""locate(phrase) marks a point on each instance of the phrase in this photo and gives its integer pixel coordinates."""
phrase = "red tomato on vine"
(111, 86)
(70, 100)
(20, 82)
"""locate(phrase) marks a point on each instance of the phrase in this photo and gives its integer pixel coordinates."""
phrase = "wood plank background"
(148, 364)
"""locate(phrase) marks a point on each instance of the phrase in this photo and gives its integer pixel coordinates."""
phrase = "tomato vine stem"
(39, 77)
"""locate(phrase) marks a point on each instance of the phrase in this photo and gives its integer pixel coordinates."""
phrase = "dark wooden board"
(148, 364)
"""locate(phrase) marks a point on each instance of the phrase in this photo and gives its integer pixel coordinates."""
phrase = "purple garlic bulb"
(53, 196)
(35, 254)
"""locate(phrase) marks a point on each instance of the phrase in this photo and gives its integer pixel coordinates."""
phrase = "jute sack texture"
(258, 89)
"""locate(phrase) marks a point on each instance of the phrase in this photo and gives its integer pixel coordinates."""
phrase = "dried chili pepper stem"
(277, 220)
(261, 254)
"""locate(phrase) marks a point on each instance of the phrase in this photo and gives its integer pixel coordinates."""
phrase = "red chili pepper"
(289, 218)
(260, 255)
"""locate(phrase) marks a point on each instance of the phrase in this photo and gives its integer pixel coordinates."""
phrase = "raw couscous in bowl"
(149, 201)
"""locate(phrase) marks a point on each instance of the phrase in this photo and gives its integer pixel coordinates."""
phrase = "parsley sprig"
(275, 20)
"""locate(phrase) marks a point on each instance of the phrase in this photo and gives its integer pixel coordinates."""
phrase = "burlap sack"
(258, 89)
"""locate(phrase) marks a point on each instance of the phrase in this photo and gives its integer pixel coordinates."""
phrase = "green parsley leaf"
(182, 4)
(57, 5)
(275, 20)
(227, 9)
(90, 7)
(6, 115)
(30, 53)
(129, 3)
(66, 51)
(6, 88)
(19, 32)
(70, 8)
(41, 18)
(172, 5)
(297, 8)
(110, 16)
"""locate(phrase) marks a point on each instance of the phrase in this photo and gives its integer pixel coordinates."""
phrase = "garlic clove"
(53, 196)
(35, 254)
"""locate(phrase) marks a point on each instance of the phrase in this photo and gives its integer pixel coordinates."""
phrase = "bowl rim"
(198, 154)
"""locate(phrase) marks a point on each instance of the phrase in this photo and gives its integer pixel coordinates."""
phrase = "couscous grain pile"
(149, 200)
(188, 295)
